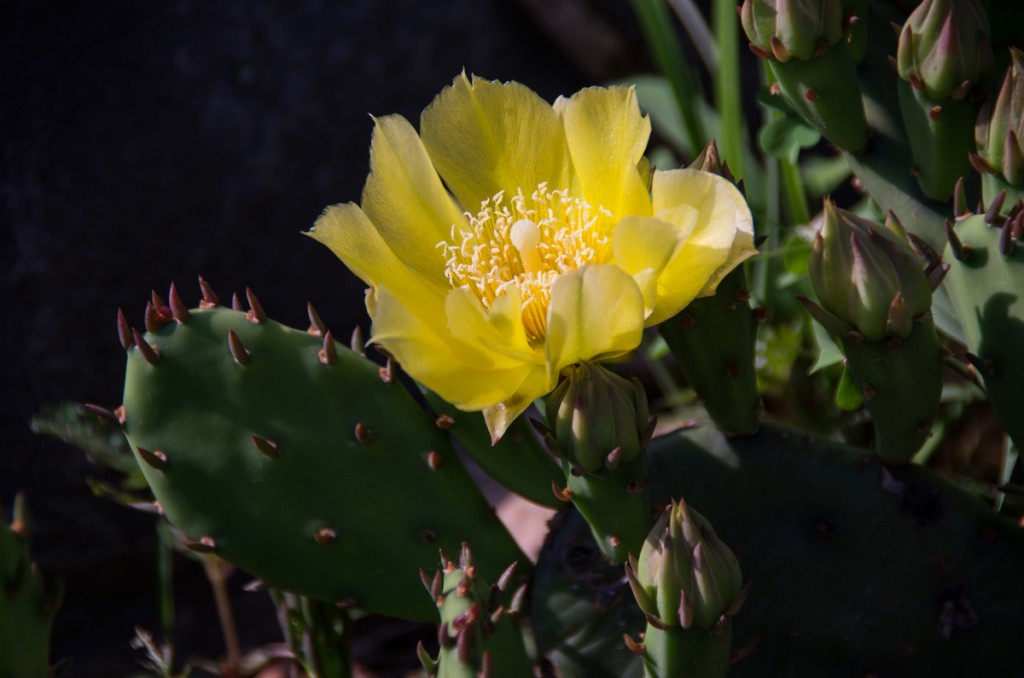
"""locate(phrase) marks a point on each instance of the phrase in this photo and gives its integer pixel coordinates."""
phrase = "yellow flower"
(512, 238)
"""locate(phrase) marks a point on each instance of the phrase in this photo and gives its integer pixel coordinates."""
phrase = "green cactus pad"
(855, 569)
(27, 605)
(292, 458)
(987, 288)
(713, 342)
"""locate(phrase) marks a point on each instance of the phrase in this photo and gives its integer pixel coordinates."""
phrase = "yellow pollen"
(526, 242)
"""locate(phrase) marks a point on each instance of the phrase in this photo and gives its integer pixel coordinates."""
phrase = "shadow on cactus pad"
(856, 569)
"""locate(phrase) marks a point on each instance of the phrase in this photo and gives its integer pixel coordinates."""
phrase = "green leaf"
(784, 137)
(848, 396)
(823, 175)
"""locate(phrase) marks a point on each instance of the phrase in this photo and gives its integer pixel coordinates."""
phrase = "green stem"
(165, 583)
(687, 653)
(216, 573)
(617, 505)
(725, 24)
(668, 54)
(795, 193)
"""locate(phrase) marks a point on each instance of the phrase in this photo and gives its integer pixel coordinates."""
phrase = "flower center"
(526, 242)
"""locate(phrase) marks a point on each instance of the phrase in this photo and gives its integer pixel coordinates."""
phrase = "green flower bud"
(792, 29)
(944, 48)
(686, 576)
(598, 418)
(1000, 129)
(866, 277)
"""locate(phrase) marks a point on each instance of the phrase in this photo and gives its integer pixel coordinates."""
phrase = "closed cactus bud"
(866, 277)
(792, 29)
(594, 412)
(1000, 129)
(944, 48)
(686, 576)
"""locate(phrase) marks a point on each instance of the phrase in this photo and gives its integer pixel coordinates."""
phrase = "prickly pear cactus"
(986, 282)
(272, 447)
(27, 604)
(854, 568)
(479, 631)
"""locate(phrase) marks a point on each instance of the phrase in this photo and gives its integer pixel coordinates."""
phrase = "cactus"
(479, 633)
(876, 300)
(1000, 136)
(722, 373)
(855, 567)
(805, 46)
(261, 441)
(944, 58)
(986, 281)
(27, 603)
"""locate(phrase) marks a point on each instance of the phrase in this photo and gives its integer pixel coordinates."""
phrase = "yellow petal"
(354, 239)
(607, 135)
(485, 136)
(642, 247)
(721, 236)
(463, 375)
(499, 330)
(404, 197)
(498, 417)
(596, 313)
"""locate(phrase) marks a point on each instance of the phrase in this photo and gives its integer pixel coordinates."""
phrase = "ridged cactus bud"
(999, 132)
(866, 276)
(792, 29)
(944, 48)
(688, 584)
(806, 45)
(686, 576)
(595, 412)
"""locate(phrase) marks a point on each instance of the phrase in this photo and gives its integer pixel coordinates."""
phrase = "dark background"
(145, 142)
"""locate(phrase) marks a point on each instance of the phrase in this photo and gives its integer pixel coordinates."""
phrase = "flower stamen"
(527, 243)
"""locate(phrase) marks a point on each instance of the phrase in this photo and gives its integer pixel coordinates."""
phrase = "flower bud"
(866, 277)
(792, 29)
(1000, 129)
(686, 576)
(593, 413)
(944, 48)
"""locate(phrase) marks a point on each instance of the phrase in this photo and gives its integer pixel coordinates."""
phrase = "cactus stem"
(960, 250)
(915, 82)
(316, 325)
(363, 434)
(124, 332)
(960, 209)
(635, 647)
(445, 422)
(206, 544)
(387, 373)
(775, 89)
(154, 458)
(103, 412)
(612, 460)
(577, 471)
(986, 366)
(434, 460)
(655, 622)
(256, 314)
(1006, 242)
(961, 90)
(821, 48)
(325, 536)
(992, 216)
(811, 94)
(637, 486)
(238, 350)
(560, 493)
(733, 371)
(328, 354)
(779, 50)
(935, 113)
(149, 353)
(267, 447)
(209, 299)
